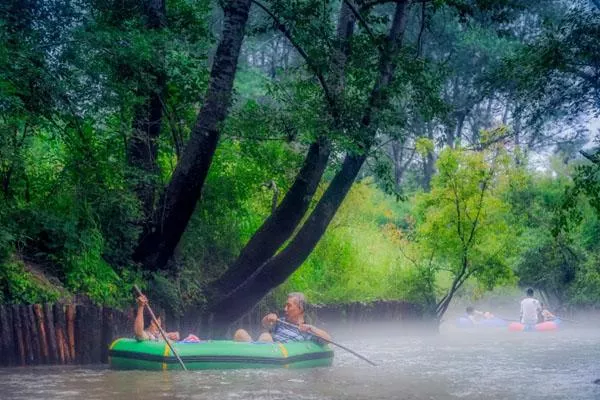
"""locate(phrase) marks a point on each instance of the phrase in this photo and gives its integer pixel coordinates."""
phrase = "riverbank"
(62, 334)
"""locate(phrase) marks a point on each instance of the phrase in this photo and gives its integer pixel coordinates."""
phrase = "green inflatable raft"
(217, 354)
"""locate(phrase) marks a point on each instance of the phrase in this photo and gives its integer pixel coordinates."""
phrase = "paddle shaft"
(565, 319)
(557, 317)
(331, 342)
(164, 335)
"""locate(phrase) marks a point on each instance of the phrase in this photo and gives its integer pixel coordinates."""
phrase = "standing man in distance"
(530, 308)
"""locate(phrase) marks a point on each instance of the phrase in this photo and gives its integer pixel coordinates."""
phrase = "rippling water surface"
(452, 365)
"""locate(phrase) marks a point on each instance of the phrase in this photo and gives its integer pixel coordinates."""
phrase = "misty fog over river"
(456, 364)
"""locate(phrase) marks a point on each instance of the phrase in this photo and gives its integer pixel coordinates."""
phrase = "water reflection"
(452, 365)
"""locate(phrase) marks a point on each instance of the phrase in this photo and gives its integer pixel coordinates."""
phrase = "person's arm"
(521, 314)
(315, 331)
(269, 321)
(138, 324)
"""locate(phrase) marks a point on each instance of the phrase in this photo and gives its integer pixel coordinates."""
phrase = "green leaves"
(461, 222)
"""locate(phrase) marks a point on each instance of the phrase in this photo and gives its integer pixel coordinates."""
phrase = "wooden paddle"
(331, 342)
(163, 334)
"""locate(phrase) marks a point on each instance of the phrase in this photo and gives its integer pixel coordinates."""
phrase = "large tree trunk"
(183, 192)
(280, 267)
(280, 226)
(142, 147)
(275, 271)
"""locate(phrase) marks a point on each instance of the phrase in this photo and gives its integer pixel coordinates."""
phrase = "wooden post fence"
(81, 334)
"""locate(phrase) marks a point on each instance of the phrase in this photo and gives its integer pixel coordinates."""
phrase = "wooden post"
(70, 317)
(18, 334)
(49, 322)
(80, 335)
(3, 347)
(60, 326)
(41, 332)
(27, 337)
(35, 336)
(95, 336)
(7, 343)
(108, 332)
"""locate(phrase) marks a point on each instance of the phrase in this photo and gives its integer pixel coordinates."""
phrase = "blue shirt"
(285, 333)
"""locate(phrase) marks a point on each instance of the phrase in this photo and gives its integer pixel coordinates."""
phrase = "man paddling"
(282, 330)
(151, 332)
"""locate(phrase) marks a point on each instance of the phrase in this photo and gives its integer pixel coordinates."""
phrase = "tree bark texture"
(183, 191)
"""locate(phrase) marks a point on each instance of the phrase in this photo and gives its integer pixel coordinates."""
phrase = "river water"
(455, 364)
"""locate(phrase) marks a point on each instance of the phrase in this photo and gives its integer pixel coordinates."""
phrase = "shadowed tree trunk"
(428, 164)
(402, 159)
(282, 223)
(142, 147)
(281, 266)
(183, 191)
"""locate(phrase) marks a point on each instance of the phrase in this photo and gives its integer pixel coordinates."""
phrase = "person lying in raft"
(279, 332)
(151, 332)
(476, 316)
(545, 314)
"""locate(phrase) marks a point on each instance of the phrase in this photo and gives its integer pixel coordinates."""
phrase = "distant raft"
(126, 354)
(541, 327)
(464, 322)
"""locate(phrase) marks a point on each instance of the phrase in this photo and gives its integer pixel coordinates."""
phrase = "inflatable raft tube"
(125, 354)
(541, 327)
(464, 322)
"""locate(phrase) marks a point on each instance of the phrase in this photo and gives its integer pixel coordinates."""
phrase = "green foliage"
(585, 290)
(558, 236)
(87, 272)
(73, 76)
(555, 72)
(358, 259)
(424, 146)
(237, 197)
(19, 286)
(460, 224)
(548, 264)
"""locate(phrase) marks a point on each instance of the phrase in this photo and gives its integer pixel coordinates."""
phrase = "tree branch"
(483, 190)
(420, 37)
(595, 158)
(363, 23)
(300, 51)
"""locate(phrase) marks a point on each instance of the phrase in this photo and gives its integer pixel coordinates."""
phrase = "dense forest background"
(217, 152)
